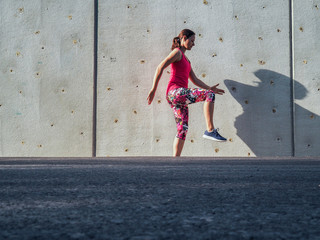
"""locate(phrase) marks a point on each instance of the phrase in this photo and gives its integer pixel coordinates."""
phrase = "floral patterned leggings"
(179, 99)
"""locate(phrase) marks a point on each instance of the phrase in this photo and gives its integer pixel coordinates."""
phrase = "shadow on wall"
(266, 122)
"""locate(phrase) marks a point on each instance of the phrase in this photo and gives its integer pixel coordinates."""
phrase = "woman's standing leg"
(177, 101)
(177, 146)
(181, 114)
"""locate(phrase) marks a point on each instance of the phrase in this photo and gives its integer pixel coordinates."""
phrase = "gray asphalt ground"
(159, 198)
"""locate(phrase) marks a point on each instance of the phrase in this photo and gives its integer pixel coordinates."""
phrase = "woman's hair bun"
(175, 43)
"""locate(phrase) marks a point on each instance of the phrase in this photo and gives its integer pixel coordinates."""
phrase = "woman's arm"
(196, 81)
(174, 56)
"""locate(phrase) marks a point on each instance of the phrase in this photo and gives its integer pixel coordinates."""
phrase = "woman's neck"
(183, 49)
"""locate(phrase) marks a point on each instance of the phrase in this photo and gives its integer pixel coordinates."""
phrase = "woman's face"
(189, 42)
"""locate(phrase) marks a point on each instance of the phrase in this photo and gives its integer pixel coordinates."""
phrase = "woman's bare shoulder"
(176, 54)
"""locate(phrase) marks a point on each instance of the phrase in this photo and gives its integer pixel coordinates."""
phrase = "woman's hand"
(217, 90)
(151, 96)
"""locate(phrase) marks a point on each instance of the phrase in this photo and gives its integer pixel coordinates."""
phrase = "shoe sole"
(213, 139)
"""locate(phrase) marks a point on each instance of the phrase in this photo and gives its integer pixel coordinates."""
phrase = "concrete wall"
(47, 77)
(307, 77)
(46, 53)
(234, 47)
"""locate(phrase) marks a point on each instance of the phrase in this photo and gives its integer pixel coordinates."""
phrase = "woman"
(178, 93)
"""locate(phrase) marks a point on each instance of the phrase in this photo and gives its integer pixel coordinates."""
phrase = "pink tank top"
(179, 74)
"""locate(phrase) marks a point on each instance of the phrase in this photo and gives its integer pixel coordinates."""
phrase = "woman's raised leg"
(211, 132)
(208, 109)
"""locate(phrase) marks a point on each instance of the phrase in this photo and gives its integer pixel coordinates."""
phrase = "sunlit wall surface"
(46, 54)
(263, 53)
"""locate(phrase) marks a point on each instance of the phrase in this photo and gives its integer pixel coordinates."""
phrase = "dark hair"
(176, 41)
